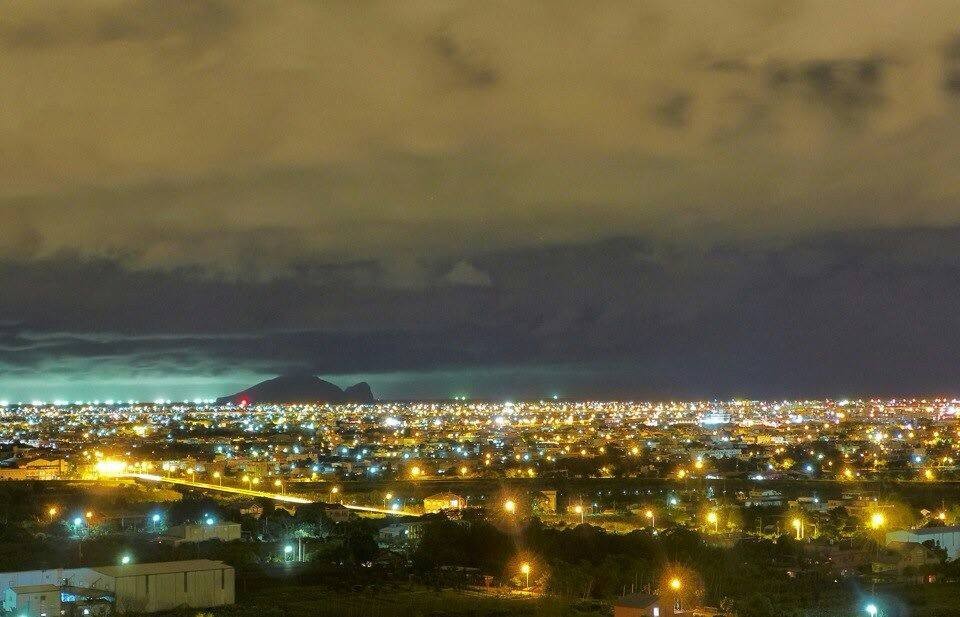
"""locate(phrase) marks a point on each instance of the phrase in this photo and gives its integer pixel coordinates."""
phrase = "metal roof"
(163, 567)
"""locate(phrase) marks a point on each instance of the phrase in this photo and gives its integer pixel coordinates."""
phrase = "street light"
(798, 526)
(248, 480)
(653, 519)
(126, 559)
(578, 509)
(525, 570)
(52, 512)
(218, 478)
(675, 584)
(877, 520)
(714, 520)
(415, 471)
(510, 506)
(872, 610)
(277, 483)
(333, 491)
(287, 551)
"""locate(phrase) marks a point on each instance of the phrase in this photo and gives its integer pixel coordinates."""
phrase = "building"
(906, 557)
(945, 537)
(131, 588)
(153, 587)
(196, 532)
(443, 501)
(32, 469)
(32, 600)
(639, 605)
(763, 499)
(661, 605)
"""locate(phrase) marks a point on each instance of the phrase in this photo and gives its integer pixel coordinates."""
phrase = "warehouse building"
(201, 532)
(129, 588)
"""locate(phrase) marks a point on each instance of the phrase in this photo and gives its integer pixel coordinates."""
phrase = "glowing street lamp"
(510, 506)
(125, 560)
(415, 472)
(714, 520)
(218, 478)
(333, 491)
(52, 512)
(675, 584)
(578, 509)
(877, 520)
(525, 570)
(279, 484)
(287, 552)
(653, 519)
(871, 609)
(248, 480)
(798, 526)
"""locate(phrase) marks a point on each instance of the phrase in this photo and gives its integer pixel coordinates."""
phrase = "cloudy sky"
(613, 199)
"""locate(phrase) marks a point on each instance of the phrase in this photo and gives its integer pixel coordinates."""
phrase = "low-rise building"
(32, 600)
(130, 588)
(201, 532)
(443, 501)
(946, 537)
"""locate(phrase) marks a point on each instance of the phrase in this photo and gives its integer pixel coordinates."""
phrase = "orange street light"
(578, 509)
(510, 506)
(714, 520)
(525, 570)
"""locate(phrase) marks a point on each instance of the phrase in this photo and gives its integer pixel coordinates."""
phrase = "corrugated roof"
(925, 531)
(637, 600)
(163, 567)
(34, 588)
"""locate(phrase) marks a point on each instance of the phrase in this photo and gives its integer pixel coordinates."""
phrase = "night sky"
(753, 198)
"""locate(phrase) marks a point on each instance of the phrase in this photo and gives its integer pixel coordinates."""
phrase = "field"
(399, 601)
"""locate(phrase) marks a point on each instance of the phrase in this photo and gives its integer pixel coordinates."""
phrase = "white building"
(946, 537)
(137, 588)
(32, 600)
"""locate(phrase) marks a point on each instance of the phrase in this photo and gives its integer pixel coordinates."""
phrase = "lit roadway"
(237, 490)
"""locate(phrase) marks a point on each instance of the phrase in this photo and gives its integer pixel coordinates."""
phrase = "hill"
(300, 388)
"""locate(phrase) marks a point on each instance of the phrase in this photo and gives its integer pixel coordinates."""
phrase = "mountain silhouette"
(299, 388)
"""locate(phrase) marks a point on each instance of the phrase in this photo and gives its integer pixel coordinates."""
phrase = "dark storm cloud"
(829, 314)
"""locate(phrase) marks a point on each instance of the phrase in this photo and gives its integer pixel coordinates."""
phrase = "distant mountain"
(299, 388)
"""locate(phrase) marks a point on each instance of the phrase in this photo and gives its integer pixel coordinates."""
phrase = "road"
(238, 490)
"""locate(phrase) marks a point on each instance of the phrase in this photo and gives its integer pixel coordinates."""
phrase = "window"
(656, 611)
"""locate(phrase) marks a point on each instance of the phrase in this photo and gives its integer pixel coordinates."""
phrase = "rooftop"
(637, 600)
(163, 567)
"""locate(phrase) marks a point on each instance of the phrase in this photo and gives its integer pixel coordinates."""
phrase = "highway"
(237, 490)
